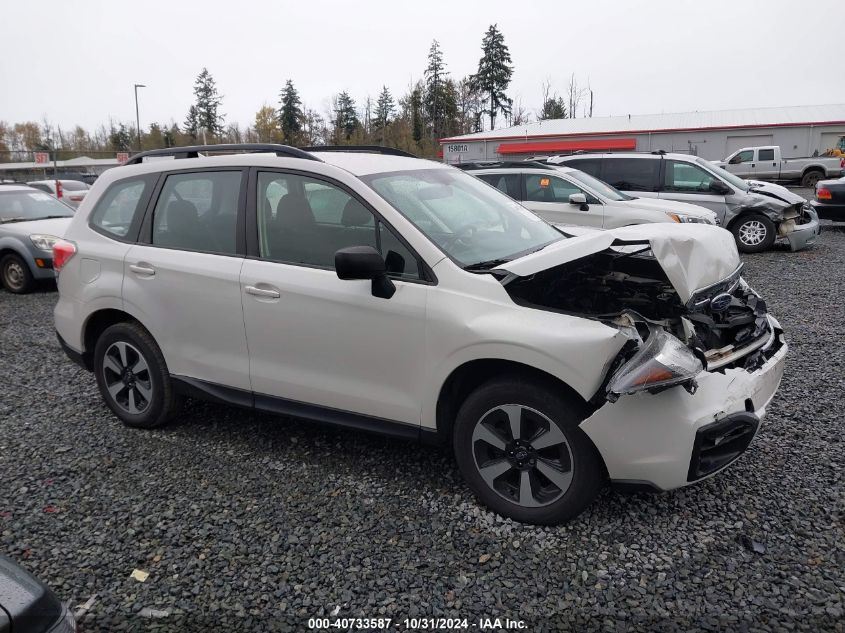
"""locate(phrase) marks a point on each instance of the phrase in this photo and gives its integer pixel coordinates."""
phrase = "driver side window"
(545, 188)
(686, 178)
(743, 157)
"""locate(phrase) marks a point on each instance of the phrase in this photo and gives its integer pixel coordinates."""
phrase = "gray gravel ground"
(247, 522)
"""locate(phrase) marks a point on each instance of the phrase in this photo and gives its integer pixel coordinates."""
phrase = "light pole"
(137, 115)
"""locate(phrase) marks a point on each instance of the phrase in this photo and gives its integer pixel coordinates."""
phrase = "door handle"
(142, 269)
(266, 293)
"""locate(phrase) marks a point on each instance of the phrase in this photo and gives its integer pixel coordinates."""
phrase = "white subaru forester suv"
(378, 291)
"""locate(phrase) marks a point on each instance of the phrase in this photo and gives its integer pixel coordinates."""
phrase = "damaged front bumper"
(800, 236)
(672, 438)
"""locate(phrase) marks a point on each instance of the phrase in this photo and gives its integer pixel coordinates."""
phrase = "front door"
(686, 182)
(743, 164)
(315, 339)
(548, 197)
(183, 282)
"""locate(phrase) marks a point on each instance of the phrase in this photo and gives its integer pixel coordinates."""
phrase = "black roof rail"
(502, 164)
(360, 149)
(193, 151)
(660, 152)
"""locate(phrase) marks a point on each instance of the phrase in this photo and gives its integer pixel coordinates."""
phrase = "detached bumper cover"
(804, 235)
(652, 438)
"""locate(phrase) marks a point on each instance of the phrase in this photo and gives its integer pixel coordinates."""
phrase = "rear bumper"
(829, 211)
(804, 235)
(662, 440)
(77, 357)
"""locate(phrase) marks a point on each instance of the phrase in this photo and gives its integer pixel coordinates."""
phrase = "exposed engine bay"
(725, 325)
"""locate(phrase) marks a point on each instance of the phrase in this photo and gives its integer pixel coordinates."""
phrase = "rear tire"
(754, 233)
(811, 178)
(16, 275)
(133, 377)
(547, 475)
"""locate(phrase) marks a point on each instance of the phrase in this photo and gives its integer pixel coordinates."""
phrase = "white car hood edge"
(693, 256)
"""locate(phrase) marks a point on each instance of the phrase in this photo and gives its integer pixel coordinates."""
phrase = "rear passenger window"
(506, 183)
(117, 211)
(198, 212)
(766, 154)
(630, 174)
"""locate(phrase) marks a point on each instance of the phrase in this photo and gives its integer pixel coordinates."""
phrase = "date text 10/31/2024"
(417, 624)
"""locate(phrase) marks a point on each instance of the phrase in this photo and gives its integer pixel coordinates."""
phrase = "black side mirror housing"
(717, 186)
(364, 262)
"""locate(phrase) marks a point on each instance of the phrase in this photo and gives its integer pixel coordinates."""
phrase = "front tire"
(16, 275)
(133, 377)
(520, 449)
(754, 233)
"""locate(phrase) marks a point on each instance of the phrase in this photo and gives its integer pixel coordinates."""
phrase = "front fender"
(14, 243)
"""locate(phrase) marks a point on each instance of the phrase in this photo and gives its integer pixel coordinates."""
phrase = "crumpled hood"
(656, 204)
(53, 226)
(693, 256)
(769, 190)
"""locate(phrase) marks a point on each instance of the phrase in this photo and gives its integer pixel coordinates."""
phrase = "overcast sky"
(76, 62)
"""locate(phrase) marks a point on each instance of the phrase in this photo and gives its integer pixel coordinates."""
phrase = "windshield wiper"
(10, 220)
(484, 266)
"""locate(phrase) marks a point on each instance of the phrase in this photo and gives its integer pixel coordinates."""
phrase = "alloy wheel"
(522, 455)
(127, 377)
(752, 233)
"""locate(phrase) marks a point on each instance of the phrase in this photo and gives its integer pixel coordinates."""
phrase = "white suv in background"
(381, 292)
(562, 195)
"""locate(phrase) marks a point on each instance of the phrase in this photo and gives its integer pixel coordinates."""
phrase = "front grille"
(718, 444)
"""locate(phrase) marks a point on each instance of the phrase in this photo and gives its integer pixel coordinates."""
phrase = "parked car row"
(381, 292)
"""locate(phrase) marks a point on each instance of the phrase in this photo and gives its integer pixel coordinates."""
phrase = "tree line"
(436, 106)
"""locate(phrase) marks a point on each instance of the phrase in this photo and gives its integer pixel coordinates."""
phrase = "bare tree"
(520, 114)
(574, 95)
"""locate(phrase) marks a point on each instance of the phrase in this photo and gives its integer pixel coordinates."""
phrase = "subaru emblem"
(721, 302)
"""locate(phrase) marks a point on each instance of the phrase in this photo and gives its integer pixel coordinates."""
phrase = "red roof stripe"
(568, 146)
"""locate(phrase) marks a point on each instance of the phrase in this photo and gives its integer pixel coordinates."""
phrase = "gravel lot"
(247, 522)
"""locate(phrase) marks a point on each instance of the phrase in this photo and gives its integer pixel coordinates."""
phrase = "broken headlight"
(662, 361)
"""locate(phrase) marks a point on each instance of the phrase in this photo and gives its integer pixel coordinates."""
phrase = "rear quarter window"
(120, 209)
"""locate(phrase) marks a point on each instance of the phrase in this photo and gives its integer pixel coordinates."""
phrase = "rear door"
(182, 278)
(548, 196)
(766, 166)
(687, 182)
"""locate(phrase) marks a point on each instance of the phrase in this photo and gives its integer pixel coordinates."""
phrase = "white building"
(799, 130)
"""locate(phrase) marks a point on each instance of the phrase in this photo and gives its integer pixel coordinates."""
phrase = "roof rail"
(361, 149)
(501, 164)
(193, 151)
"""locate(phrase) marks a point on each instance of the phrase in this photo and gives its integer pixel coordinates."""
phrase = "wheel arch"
(471, 374)
(12, 247)
(97, 323)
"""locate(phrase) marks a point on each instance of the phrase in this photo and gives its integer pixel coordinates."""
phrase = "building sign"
(42, 158)
(122, 157)
(457, 149)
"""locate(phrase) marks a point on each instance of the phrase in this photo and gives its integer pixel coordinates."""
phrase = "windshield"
(724, 174)
(599, 186)
(30, 205)
(469, 220)
(74, 185)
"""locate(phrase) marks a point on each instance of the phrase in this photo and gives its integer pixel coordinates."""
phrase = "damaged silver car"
(757, 213)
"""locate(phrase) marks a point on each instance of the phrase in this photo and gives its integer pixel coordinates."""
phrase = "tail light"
(823, 193)
(59, 191)
(62, 252)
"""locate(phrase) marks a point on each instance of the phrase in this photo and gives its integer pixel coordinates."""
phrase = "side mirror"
(717, 186)
(364, 262)
(580, 199)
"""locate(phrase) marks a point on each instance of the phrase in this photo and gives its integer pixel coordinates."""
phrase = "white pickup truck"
(766, 163)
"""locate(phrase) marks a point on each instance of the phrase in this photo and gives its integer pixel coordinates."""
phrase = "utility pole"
(137, 115)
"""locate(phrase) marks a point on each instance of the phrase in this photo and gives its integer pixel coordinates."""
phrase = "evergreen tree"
(417, 124)
(433, 98)
(553, 108)
(290, 114)
(120, 138)
(346, 118)
(191, 124)
(207, 104)
(494, 74)
(384, 111)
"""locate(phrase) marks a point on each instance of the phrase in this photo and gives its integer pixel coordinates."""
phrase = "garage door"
(738, 142)
(829, 140)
